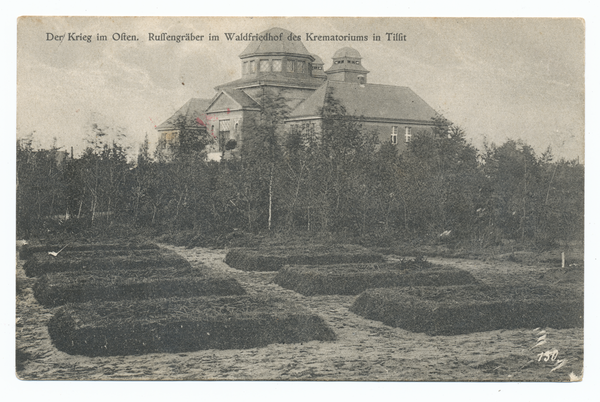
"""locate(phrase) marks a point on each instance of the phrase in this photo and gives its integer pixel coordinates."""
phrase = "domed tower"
(347, 67)
(317, 67)
(275, 55)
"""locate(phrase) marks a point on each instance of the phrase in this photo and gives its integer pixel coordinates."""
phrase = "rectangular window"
(252, 67)
(299, 66)
(407, 134)
(223, 134)
(277, 65)
(265, 65)
(245, 68)
(394, 137)
(290, 66)
(223, 125)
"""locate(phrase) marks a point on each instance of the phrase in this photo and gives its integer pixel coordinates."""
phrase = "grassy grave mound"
(181, 325)
(274, 258)
(42, 263)
(74, 287)
(452, 310)
(352, 279)
(567, 275)
(27, 250)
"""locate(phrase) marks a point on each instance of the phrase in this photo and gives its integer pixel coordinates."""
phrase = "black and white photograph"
(300, 199)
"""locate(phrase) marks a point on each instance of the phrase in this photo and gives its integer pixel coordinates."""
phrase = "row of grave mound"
(135, 299)
(414, 294)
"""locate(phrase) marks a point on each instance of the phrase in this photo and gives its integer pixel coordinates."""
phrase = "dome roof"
(318, 60)
(347, 52)
(271, 44)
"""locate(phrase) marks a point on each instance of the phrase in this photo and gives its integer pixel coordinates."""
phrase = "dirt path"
(364, 350)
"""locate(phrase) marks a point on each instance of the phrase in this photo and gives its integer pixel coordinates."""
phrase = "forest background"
(340, 182)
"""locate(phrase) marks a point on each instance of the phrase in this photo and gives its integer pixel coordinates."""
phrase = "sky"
(498, 79)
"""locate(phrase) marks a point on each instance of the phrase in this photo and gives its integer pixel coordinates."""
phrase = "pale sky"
(496, 78)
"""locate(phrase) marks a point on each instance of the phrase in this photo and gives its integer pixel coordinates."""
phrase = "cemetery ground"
(363, 349)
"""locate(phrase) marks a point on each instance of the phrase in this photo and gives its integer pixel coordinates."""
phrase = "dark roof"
(371, 101)
(266, 47)
(193, 109)
(347, 52)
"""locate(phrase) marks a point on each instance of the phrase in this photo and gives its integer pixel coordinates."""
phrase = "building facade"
(289, 70)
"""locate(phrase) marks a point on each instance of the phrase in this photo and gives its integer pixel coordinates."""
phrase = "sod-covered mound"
(43, 263)
(27, 250)
(274, 258)
(567, 275)
(452, 310)
(182, 325)
(75, 287)
(352, 279)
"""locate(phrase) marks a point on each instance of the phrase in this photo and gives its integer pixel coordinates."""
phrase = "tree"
(261, 154)
(441, 180)
(190, 139)
(514, 177)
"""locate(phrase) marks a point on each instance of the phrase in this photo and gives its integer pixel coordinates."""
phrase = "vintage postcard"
(346, 199)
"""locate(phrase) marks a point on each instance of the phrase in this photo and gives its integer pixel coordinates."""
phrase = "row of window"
(346, 61)
(275, 65)
(407, 134)
(225, 126)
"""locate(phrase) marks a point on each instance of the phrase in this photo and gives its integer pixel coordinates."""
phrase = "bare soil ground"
(364, 350)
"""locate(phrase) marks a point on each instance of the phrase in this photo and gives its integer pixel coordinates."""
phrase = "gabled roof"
(240, 99)
(193, 109)
(371, 101)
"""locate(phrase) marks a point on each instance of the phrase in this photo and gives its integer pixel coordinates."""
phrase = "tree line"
(337, 179)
